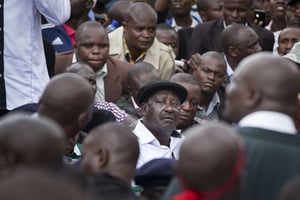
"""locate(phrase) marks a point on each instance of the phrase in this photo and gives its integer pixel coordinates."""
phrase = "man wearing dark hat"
(160, 105)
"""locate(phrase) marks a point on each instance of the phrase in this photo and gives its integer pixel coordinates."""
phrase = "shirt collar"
(102, 71)
(145, 136)
(269, 120)
(128, 56)
(215, 101)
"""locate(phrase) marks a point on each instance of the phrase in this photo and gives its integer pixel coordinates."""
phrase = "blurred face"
(169, 38)
(234, 105)
(235, 11)
(181, 7)
(93, 47)
(189, 107)
(247, 43)
(293, 15)
(140, 33)
(214, 10)
(161, 112)
(210, 74)
(287, 39)
(278, 8)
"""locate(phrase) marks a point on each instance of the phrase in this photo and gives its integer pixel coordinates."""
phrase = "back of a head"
(117, 141)
(29, 142)
(217, 156)
(36, 185)
(118, 10)
(184, 77)
(290, 190)
(275, 79)
(142, 69)
(230, 35)
(65, 98)
(140, 9)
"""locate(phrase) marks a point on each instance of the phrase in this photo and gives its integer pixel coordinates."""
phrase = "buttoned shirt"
(24, 73)
(211, 113)
(150, 148)
(100, 93)
(269, 120)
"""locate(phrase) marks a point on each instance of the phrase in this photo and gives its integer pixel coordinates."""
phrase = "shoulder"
(119, 64)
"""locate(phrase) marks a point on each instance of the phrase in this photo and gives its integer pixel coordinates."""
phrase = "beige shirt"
(159, 55)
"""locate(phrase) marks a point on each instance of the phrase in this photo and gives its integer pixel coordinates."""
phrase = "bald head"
(140, 74)
(141, 11)
(262, 82)
(184, 77)
(30, 142)
(31, 185)
(215, 152)
(117, 147)
(67, 100)
(82, 30)
(84, 70)
(118, 10)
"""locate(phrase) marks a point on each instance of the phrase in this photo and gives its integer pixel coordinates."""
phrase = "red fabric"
(189, 194)
(71, 33)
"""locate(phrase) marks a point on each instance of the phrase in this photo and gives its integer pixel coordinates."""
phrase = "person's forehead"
(93, 33)
(164, 93)
(213, 63)
(236, 3)
(290, 33)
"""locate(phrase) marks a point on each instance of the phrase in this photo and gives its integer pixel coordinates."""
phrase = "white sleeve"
(55, 11)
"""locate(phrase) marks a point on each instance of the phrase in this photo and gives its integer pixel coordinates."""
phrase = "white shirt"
(25, 71)
(150, 147)
(100, 74)
(269, 120)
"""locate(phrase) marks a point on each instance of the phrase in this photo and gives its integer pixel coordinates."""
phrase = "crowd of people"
(150, 99)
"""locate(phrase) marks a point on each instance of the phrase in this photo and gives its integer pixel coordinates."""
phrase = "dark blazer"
(272, 158)
(207, 37)
(184, 37)
(115, 82)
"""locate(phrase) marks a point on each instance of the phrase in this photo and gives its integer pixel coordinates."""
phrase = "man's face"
(247, 43)
(161, 111)
(278, 8)
(235, 11)
(93, 47)
(140, 33)
(287, 39)
(214, 10)
(189, 107)
(181, 7)
(293, 15)
(234, 104)
(210, 74)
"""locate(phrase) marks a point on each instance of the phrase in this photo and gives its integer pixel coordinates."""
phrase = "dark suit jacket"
(184, 37)
(207, 37)
(115, 82)
(271, 159)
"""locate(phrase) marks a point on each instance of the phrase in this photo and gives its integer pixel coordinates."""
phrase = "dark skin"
(209, 69)
(103, 152)
(216, 145)
(161, 114)
(139, 28)
(250, 91)
(41, 146)
(57, 103)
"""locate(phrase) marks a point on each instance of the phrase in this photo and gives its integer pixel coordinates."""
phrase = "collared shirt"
(128, 56)
(150, 148)
(269, 120)
(229, 69)
(100, 93)
(211, 113)
(25, 71)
